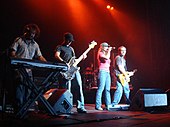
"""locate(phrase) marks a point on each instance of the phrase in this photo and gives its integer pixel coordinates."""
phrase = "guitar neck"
(81, 57)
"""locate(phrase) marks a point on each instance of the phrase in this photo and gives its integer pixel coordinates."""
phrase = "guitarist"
(63, 53)
(120, 67)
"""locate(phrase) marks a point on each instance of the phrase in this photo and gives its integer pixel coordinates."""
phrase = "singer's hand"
(110, 48)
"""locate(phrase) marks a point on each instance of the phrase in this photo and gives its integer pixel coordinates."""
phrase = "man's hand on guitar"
(127, 78)
(131, 73)
(68, 65)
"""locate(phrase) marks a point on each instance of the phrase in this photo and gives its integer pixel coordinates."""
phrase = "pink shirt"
(104, 65)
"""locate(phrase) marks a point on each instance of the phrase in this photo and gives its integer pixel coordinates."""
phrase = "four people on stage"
(25, 46)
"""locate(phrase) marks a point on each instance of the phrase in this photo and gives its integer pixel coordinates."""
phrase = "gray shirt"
(26, 50)
(119, 61)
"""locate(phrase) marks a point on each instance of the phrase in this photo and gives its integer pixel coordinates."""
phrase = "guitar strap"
(124, 61)
(71, 61)
(73, 51)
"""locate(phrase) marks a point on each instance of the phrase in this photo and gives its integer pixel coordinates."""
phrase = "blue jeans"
(23, 91)
(119, 92)
(80, 100)
(104, 84)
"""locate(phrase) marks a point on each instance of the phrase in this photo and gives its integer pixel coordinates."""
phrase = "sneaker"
(81, 110)
(116, 106)
(100, 109)
(108, 107)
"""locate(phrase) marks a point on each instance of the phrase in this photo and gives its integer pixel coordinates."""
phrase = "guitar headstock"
(92, 44)
(135, 70)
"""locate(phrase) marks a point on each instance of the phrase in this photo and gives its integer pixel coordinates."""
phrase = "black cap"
(68, 36)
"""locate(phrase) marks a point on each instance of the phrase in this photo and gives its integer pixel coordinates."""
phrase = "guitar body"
(122, 78)
(69, 75)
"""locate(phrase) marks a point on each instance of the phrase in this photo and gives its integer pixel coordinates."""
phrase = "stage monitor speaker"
(61, 100)
(168, 96)
(149, 99)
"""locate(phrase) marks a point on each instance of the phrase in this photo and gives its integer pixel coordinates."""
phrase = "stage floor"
(93, 117)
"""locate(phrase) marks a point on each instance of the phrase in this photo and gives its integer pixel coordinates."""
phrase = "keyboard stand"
(37, 93)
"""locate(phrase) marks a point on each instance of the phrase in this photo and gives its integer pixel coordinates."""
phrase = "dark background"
(143, 26)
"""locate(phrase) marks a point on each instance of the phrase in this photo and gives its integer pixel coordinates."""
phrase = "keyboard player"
(25, 46)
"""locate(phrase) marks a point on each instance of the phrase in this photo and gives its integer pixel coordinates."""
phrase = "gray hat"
(104, 44)
(68, 36)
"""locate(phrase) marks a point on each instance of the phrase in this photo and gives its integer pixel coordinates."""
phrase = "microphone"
(112, 47)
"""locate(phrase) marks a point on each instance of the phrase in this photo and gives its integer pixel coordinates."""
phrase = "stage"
(119, 118)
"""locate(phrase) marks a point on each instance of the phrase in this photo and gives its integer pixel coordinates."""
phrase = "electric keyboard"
(28, 63)
(37, 92)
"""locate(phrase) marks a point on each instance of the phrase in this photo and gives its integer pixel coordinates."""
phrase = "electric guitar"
(69, 74)
(122, 78)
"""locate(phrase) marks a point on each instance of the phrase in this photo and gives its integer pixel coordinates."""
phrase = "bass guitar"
(69, 74)
(122, 78)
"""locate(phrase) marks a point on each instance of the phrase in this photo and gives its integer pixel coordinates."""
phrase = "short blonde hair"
(121, 47)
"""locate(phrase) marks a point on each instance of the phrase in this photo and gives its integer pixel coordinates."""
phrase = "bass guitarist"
(64, 53)
(120, 68)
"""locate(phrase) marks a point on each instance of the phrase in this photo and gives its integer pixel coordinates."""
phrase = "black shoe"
(81, 110)
(128, 102)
